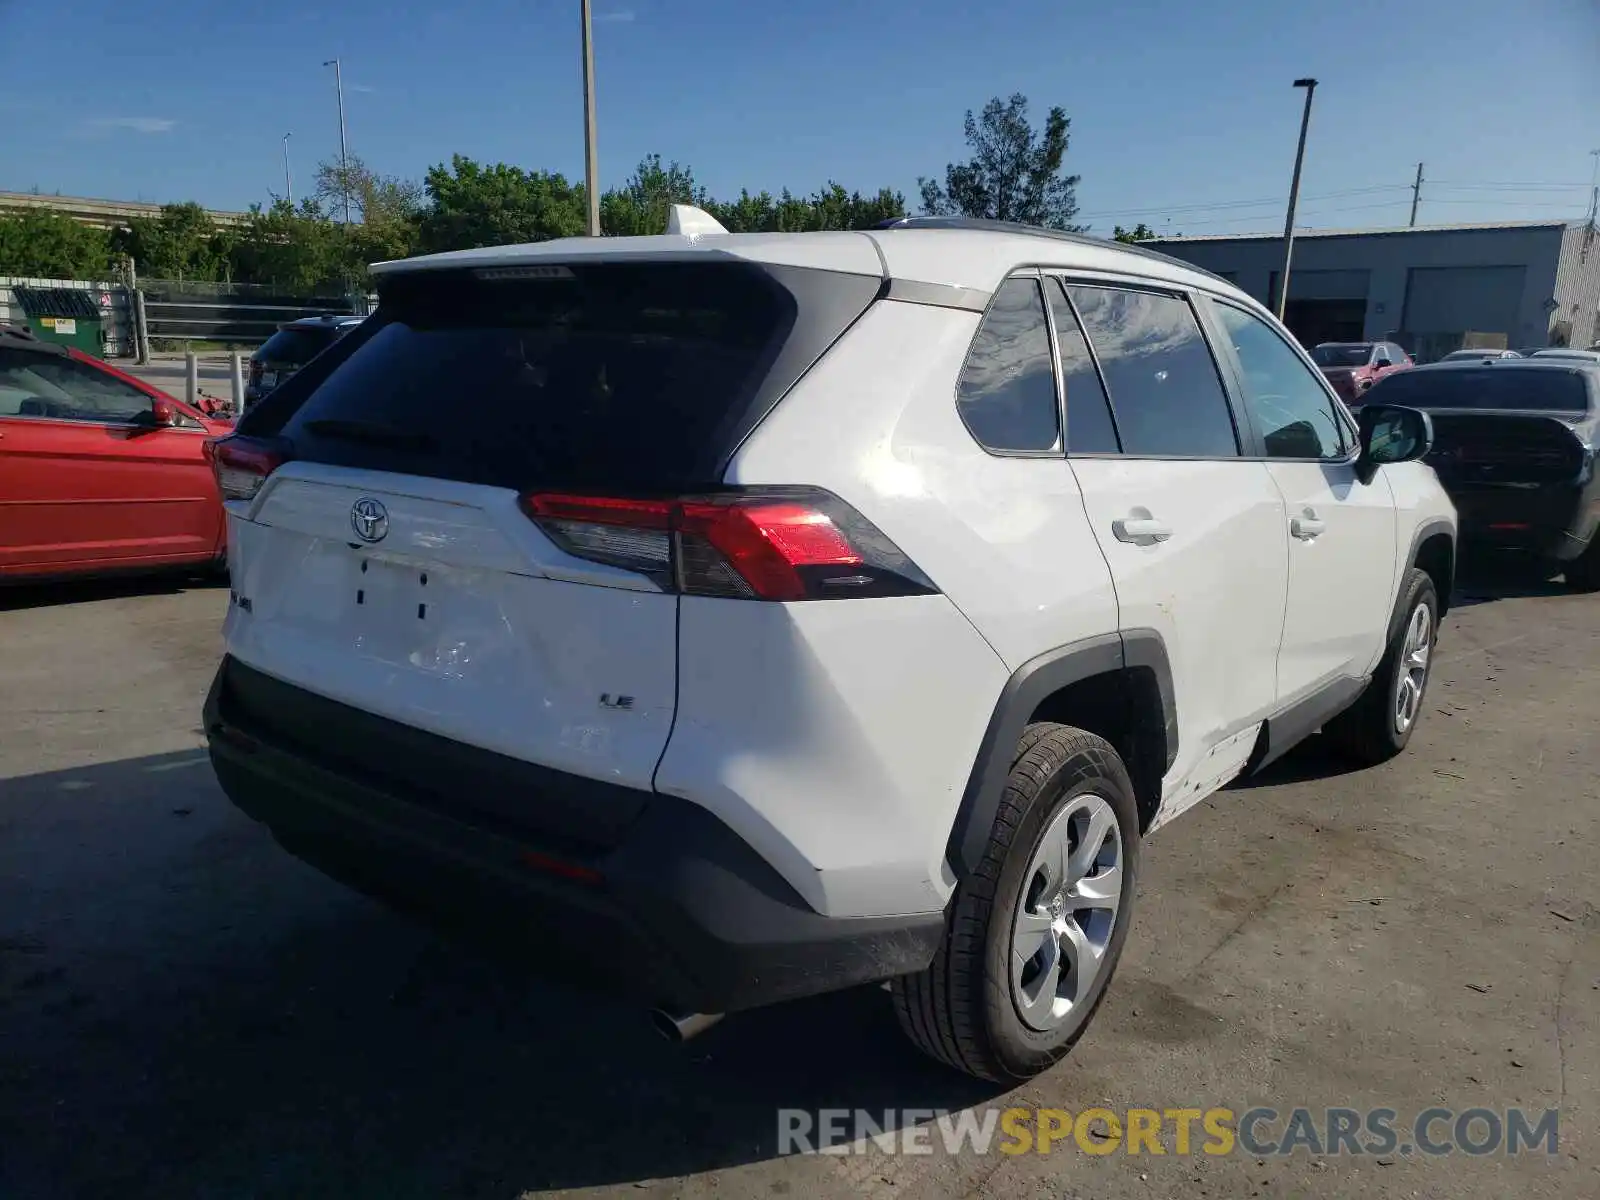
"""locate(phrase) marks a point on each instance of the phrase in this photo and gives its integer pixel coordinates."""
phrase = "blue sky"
(1181, 109)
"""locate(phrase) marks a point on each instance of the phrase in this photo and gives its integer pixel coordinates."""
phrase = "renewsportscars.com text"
(1259, 1131)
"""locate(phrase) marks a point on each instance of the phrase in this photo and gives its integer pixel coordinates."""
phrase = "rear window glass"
(618, 376)
(1504, 387)
(296, 346)
(1341, 354)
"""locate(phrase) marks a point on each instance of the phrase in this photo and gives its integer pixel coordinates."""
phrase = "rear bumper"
(1555, 521)
(674, 910)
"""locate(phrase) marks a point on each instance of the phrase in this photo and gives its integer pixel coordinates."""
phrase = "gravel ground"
(187, 1011)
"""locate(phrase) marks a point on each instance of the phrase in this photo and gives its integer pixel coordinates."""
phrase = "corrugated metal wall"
(1578, 285)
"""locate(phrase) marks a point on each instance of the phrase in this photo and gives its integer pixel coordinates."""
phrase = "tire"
(969, 1009)
(1583, 572)
(1373, 730)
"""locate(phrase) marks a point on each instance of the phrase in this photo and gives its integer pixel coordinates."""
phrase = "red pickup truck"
(1353, 367)
(99, 471)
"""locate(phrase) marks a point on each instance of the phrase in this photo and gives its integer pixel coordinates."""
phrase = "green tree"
(1015, 174)
(182, 243)
(374, 198)
(474, 205)
(1139, 233)
(640, 205)
(830, 208)
(51, 245)
(300, 250)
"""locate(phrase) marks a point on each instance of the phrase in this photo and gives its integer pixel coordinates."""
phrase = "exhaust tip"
(680, 1027)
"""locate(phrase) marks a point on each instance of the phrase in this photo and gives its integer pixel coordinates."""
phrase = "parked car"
(1353, 367)
(1479, 355)
(1515, 446)
(99, 471)
(779, 633)
(294, 345)
(1563, 352)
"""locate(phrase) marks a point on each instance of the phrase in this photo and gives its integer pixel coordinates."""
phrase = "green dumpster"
(66, 316)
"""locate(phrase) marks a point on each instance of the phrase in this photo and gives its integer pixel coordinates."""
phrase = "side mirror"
(1382, 364)
(1391, 434)
(160, 415)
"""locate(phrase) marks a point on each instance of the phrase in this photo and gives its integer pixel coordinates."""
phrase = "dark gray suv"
(292, 347)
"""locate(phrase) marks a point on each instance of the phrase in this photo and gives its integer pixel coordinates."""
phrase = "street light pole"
(1310, 86)
(344, 153)
(288, 183)
(591, 166)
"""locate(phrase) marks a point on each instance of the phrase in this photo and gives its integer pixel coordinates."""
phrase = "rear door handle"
(1140, 529)
(1307, 526)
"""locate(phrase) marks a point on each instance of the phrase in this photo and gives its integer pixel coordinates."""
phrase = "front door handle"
(1307, 526)
(1140, 529)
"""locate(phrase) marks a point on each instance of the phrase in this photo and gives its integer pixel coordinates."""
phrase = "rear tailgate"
(389, 565)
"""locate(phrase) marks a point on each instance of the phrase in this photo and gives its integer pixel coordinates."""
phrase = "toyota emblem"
(370, 519)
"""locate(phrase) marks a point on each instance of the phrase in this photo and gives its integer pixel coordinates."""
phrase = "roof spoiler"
(688, 221)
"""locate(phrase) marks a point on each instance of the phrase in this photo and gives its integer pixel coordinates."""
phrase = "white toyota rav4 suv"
(734, 618)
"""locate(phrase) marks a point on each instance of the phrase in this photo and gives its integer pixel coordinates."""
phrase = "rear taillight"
(242, 464)
(754, 544)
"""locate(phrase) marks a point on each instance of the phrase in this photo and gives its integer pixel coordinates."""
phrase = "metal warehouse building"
(1531, 283)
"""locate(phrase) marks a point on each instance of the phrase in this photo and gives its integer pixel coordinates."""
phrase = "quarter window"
(1090, 429)
(1289, 405)
(1007, 392)
(1163, 383)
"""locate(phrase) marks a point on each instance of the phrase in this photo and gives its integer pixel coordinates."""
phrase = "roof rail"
(689, 221)
(1061, 235)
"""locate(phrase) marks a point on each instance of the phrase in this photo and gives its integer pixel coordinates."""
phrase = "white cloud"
(135, 124)
(621, 16)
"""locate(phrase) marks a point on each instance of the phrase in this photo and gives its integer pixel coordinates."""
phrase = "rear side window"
(1090, 429)
(1007, 392)
(620, 376)
(1164, 386)
(296, 345)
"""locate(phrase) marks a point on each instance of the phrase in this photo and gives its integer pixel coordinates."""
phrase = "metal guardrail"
(237, 315)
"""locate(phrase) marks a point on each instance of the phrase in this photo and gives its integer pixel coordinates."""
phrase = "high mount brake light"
(755, 544)
(242, 464)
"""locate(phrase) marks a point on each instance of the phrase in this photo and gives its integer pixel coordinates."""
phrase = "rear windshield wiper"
(371, 432)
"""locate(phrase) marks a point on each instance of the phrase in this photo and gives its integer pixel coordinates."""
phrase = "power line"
(1509, 187)
(1221, 205)
(1198, 210)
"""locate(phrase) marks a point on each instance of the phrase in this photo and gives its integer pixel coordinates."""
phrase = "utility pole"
(1416, 194)
(288, 183)
(1310, 86)
(344, 152)
(591, 165)
(1594, 188)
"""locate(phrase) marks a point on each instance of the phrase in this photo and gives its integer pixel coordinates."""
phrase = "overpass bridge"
(105, 214)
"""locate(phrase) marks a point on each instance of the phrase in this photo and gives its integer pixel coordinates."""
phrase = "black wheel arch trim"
(1027, 688)
(1424, 531)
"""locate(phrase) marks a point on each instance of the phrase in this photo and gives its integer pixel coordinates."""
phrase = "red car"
(1353, 367)
(99, 471)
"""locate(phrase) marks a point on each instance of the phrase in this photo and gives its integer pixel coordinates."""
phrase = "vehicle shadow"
(1484, 579)
(1314, 758)
(200, 1014)
(15, 597)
